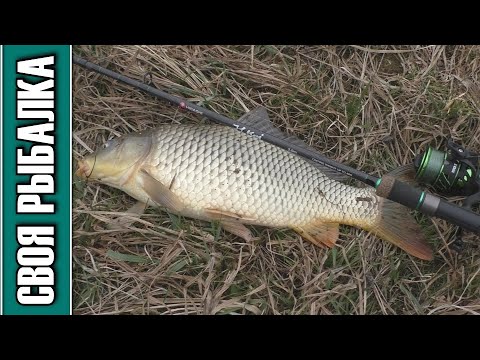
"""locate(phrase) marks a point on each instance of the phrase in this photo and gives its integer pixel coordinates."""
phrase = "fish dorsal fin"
(259, 119)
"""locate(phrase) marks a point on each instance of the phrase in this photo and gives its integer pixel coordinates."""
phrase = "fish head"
(116, 158)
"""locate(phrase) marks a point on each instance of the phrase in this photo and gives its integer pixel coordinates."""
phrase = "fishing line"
(87, 177)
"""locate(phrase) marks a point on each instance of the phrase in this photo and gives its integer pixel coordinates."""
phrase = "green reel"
(454, 172)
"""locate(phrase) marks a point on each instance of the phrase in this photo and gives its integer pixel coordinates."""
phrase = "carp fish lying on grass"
(214, 172)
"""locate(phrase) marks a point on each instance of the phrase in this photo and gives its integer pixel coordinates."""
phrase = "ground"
(371, 107)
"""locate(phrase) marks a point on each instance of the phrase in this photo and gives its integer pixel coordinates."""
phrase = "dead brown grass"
(370, 107)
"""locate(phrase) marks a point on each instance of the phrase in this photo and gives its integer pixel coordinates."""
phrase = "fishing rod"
(387, 186)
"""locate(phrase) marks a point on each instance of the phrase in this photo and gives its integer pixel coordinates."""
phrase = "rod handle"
(413, 198)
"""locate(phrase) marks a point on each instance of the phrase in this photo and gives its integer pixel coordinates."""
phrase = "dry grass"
(369, 107)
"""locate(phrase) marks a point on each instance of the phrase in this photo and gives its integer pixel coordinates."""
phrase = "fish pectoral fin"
(320, 233)
(138, 208)
(129, 217)
(160, 193)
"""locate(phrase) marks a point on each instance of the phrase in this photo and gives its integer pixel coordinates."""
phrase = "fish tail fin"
(395, 224)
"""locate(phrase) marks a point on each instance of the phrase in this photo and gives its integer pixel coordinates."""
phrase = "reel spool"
(453, 172)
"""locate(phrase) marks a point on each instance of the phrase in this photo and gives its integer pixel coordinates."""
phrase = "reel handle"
(395, 190)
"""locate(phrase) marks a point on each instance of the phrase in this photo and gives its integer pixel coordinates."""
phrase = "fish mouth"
(83, 169)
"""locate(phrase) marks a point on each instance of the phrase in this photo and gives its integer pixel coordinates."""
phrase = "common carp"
(217, 173)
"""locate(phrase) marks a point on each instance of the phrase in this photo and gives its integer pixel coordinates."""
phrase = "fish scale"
(267, 183)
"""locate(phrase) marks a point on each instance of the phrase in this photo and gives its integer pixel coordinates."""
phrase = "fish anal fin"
(320, 233)
(160, 193)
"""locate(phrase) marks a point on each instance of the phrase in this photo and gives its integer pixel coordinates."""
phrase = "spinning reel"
(455, 171)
